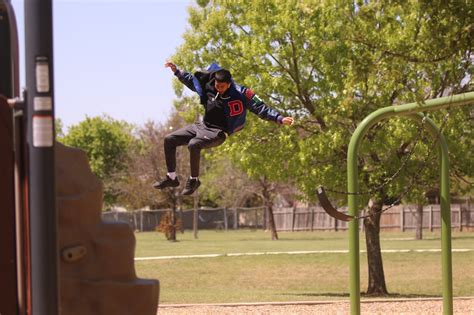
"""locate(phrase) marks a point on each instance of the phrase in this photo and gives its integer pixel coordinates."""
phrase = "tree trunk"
(376, 286)
(172, 231)
(195, 215)
(171, 234)
(271, 220)
(419, 222)
(267, 199)
(180, 210)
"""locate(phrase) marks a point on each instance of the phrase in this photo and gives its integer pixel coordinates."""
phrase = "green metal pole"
(353, 186)
(446, 260)
(446, 255)
(354, 264)
(354, 251)
(435, 104)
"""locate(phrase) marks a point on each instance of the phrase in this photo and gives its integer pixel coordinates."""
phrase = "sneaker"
(191, 185)
(167, 182)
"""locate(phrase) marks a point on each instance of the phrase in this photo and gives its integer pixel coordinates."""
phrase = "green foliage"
(329, 65)
(59, 129)
(106, 142)
(224, 184)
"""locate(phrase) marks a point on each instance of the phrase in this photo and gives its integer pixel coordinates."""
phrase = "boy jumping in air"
(226, 105)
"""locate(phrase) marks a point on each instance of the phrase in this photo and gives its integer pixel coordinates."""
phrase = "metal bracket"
(18, 104)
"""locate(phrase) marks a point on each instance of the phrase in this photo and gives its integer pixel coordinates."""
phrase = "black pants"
(197, 136)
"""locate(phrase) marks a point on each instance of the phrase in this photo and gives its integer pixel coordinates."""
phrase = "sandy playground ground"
(413, 306)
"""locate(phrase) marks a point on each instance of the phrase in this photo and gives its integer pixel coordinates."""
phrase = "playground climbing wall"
(97, 273)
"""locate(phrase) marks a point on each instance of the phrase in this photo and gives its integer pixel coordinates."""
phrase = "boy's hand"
(171, 65)
(287, 121)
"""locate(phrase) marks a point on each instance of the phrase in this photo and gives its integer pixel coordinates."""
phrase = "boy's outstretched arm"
(258, 107)
(185, 77)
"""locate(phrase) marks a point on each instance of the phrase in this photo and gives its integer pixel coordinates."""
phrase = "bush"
(167, 227)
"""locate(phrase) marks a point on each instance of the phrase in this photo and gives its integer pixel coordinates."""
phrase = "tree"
(59, 128)
(146, 164)
(404, 53)
(330, 65)
(106, 142)
(225, 184)
(239, 188)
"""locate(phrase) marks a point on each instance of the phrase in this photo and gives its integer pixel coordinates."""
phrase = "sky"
(109, 57)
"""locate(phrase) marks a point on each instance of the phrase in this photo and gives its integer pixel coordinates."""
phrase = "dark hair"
(223, 75)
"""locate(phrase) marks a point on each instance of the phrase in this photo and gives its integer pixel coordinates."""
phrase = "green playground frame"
(412, 111)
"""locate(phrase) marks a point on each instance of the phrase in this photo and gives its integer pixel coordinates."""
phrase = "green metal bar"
(446, 260)
(354, 264)
(353, 186)
(446, 256)
(435, 104)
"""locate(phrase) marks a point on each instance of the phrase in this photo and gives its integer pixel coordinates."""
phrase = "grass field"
(294, 277)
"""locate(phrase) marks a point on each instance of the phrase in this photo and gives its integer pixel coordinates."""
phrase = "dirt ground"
(432, 306)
